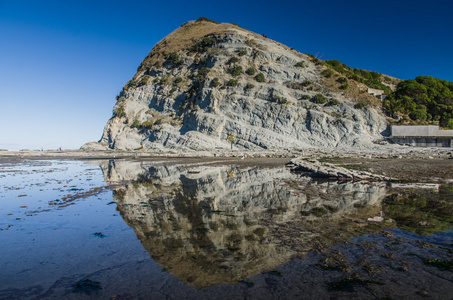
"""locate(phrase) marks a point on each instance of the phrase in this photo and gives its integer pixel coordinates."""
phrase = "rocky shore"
(410, 164)
(353, 239)
(378, 152)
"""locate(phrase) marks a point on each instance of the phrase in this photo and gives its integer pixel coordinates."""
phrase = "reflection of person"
(230, 173)
(231, 138)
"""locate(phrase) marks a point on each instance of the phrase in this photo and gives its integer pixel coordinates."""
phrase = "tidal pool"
(126, 229)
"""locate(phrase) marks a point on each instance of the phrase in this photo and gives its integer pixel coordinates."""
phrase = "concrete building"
(421, 136)
(378, 93)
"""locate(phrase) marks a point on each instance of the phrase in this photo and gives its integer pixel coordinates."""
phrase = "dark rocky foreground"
(356, 257)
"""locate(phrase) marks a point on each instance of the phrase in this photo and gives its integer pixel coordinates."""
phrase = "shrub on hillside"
(215, 82)
(298, 85)
(319, 99)
(344, 86)
(299, 64)
(232, 82)
(157, 65)
(201, 77)
(447, 123)
(260, 77)
(327, 73)
(236, 70)
(332, 102)
(163, 79)
(204, 71)
(144, 80)
(178, 80)
(280, 100)
(120, 112)
(315, 60)
(146, 125)
(241, 52)
(203, 45)
(419, 113)
(334, 63)
(130, 84)
(174, 59)
(135, 124)
(338, 66)
(250, 71)
(359, 105)
(233, 60)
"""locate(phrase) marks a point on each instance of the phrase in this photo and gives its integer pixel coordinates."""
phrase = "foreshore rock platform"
(383, 152)
(316, 169)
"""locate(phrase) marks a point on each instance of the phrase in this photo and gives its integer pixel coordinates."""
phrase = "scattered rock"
(317, 169)
(94, 146)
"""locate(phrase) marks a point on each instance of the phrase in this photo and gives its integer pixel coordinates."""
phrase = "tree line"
(423, 99)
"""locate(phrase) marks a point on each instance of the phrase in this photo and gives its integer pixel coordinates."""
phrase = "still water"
(124, 229)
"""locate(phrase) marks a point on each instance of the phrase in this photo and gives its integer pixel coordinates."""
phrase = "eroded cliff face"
(217, 225)
(206, 81)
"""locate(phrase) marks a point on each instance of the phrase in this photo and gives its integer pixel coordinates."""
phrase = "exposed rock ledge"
(94, 146)
(318, 169)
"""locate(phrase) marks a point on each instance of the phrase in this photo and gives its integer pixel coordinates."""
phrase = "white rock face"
(197, 115)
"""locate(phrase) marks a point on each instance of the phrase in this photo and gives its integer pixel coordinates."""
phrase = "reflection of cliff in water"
(208, 226)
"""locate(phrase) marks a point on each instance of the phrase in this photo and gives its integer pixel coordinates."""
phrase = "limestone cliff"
(207, 81)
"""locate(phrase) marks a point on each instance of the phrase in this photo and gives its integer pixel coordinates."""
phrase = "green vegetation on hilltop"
(319, 99)
(369, 78)
(200, 19)
(423, 99)
(203, 45)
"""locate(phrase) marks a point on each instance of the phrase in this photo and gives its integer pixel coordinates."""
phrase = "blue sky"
(63, 62)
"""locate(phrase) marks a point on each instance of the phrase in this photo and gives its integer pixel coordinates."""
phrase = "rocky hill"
(207, 81)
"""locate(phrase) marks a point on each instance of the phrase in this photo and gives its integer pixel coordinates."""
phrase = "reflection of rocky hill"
(209, 226)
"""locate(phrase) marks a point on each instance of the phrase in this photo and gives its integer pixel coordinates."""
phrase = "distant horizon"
(63, 62)
(35, 148)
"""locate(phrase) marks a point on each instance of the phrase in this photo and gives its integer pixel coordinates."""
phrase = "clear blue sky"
(62, 62)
